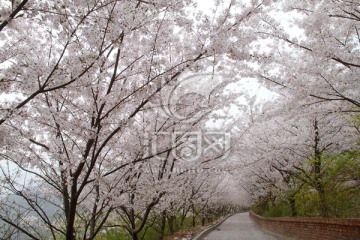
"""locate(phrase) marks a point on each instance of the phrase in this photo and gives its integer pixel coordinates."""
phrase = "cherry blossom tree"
(85, 127)
(325, 36)
(82, 73)
(286, 153)
(308, 54)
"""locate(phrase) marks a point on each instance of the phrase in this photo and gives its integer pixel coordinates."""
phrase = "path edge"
(211, 228)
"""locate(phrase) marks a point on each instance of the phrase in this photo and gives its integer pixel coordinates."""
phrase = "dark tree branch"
(13, 15)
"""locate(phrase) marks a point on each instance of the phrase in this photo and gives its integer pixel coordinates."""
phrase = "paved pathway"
(238, 227)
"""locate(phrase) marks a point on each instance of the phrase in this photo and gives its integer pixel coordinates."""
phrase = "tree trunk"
(134, 236)
(319, 185)
(163, 224)
(203, 221)
(323, 202)
(193, 216)
(70, 230)
(171, 224)
(183, 216)
(94, 211)
(292, 206)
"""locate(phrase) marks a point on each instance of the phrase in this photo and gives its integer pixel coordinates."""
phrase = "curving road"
(238, 227)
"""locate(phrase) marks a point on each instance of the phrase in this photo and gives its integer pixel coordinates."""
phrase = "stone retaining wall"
(311, 228)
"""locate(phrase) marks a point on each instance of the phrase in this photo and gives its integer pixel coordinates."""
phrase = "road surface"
(238, 227)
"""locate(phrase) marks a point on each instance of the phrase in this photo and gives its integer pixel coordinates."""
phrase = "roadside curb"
(211, 228)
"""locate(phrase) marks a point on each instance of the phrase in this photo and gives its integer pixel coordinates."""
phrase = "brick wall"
(311, 228)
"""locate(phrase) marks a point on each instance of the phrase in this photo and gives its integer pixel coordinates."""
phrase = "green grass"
(151, 232)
